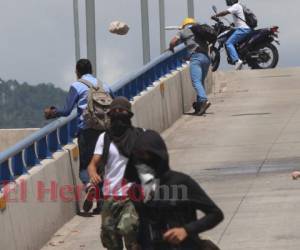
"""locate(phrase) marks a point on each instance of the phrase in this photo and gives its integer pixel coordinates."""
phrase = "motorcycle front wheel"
(215, 58)
(267, 57)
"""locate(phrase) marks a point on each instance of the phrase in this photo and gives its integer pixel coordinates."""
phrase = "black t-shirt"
(187, 36)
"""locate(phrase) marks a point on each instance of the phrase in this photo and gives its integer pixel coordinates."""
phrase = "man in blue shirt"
(78, 97)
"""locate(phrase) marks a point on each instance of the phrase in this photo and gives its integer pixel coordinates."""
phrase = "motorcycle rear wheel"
(271, 52)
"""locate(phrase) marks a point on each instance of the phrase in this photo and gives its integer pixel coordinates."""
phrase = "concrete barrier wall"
(161, 105)
(29, 224)
(9, 137)
(28, 221)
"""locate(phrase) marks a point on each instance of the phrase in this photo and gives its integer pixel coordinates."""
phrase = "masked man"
(168, 218)
(119, 218)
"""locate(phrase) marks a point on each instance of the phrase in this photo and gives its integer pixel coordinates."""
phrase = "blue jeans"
(199, 65)
(235, 38)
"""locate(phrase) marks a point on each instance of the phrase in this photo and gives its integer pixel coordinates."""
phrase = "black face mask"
(120, 122)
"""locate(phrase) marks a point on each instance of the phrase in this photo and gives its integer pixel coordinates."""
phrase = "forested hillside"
(21, 105)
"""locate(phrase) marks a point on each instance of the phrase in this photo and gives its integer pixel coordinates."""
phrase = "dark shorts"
(87, 139)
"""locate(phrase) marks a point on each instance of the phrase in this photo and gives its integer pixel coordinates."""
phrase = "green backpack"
(98, 104)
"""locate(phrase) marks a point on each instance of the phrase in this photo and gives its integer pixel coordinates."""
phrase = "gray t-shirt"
(193, 45)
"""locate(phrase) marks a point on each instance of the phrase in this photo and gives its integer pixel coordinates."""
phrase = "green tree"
(22, 105)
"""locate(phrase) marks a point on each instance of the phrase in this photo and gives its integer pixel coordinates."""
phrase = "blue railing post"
(5, 174)
(156, 73)
(127, 91)
(152, 75)
(53, 141)
(42, 149)
(30, 156)
(73, 128)
(148, 79)
(18, 167)
(63, 133)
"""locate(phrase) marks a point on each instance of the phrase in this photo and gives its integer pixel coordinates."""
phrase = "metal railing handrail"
(36, 136)
(129, 78)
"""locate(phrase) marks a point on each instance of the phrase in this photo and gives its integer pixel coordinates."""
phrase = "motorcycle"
(257, 49)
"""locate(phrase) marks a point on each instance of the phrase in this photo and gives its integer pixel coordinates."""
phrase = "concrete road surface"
(242, 152)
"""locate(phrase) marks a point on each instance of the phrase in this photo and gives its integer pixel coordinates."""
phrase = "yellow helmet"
(187, 21)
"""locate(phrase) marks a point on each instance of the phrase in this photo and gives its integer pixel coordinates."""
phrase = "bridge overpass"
(241, 152)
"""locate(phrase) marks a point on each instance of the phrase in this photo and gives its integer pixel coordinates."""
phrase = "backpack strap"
(86, 82)
(244, 15)
(104, 156)
(90, 85)
(240, 18)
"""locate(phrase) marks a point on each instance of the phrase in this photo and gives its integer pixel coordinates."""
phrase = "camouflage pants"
(119, 221)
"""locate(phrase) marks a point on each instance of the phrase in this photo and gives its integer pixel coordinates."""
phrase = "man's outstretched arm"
(223, 13)
(72, 98)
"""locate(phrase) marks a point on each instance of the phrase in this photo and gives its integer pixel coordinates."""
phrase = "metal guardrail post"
(191, 11)
(5, 174)
(63, 134)
(145, 31)
(17, 165)
(76, 30)
(162, 24)
(73, 128)
(30, 156)
(42, 149)
(91, 33)
(53, 142)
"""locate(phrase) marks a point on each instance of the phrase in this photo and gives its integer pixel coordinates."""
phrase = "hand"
(95, 178)
(214, 17)
(172, 49)
(295, 175)
(50, 113)
(175, 235)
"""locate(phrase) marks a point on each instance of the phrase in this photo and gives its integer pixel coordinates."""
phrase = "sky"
(37, 37)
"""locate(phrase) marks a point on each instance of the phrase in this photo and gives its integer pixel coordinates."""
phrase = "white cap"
(118, 27)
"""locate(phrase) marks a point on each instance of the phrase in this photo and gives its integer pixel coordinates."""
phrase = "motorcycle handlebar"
(215, 18)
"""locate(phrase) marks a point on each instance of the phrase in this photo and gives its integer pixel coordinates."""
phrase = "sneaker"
(89, 197)
(239, 65)
(197, 107)
(205, 105)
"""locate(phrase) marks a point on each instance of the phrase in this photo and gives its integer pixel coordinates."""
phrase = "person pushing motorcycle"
(242, 30)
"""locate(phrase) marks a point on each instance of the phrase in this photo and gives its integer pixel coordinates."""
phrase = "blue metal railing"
(18, 159)
(135, 83)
